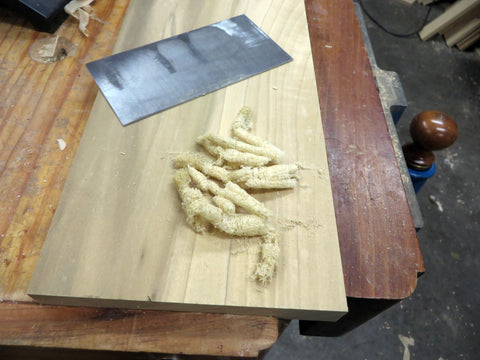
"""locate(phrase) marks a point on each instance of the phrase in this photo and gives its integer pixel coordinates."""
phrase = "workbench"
(45, 102)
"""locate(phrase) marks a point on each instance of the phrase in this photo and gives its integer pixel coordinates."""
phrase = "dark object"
(383, 28)
(417, 157)
(143, 81)
(433, 130)
(45, 15)
(359, 311)
(430, 130)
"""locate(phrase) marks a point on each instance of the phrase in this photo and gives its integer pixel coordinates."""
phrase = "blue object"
(420, 177)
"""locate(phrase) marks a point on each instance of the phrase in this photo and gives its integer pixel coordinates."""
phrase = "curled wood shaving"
(189, 196)
(280, 176)
(198, 210)
(234, 157)
(231, 191)
(269, 253)
(241, 129)
(82, 11)
(226, 205)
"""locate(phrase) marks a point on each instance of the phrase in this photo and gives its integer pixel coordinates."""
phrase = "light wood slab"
(119, 237)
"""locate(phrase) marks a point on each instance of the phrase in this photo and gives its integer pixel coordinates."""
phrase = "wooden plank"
(406, 2)
(119, 237)
(458, 25)
(451, 15)
(148, 331)
(462, 32)
(469, 40)
(380, 251)
(425, 2)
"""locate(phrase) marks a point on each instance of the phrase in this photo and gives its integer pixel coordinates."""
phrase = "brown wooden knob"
(433, 130)
(418, 158)
(430, 130)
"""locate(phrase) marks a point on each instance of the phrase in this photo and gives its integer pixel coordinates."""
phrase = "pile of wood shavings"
(212, 185)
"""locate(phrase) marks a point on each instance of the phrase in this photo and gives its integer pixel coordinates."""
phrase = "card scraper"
(143, 81)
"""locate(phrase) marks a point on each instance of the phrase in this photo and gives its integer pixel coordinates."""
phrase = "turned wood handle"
(430, 130)
(433, 130)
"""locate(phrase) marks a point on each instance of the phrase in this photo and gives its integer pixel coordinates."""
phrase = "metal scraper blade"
(143, 81)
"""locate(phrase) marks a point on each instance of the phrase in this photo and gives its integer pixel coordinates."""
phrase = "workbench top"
(45, 102)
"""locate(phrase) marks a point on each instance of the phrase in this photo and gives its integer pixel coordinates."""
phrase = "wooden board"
(455, 12)
(119, 237)
(461, 31)
(469, 40)
(133, 330)
(380, 250)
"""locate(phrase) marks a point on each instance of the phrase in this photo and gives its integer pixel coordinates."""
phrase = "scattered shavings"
(61, 144)
(212, 188)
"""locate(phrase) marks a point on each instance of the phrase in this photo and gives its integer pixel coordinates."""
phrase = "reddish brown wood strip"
(380, 251)
(130, 330)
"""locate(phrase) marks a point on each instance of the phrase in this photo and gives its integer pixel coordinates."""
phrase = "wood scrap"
(82, 11)
(407, 2)
(469, 40)
(463, 31)
(456, 23)
(452, 14)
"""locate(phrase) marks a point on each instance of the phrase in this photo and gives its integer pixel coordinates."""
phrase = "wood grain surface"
(40, 104)
(149, 331)
(24, 220)
(119, 237)
(380, 251)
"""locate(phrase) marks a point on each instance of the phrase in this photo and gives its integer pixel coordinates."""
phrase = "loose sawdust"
(289, 224)
(213, 192)
(51, 49)
(61, 144)
(240, 245)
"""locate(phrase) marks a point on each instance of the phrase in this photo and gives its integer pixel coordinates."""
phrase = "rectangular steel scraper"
(143, 81)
